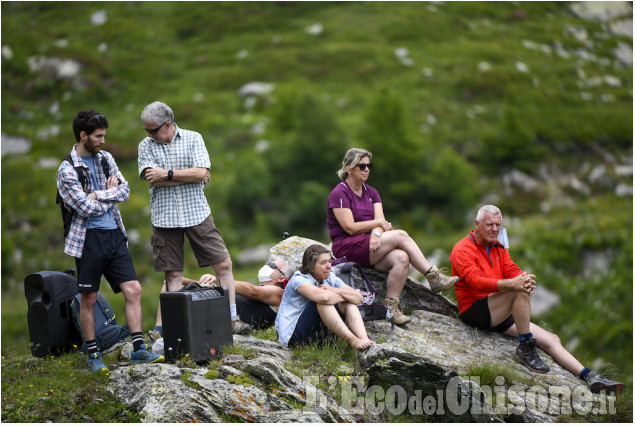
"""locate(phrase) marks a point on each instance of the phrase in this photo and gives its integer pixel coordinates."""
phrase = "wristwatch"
(376, 233)
(170, 174)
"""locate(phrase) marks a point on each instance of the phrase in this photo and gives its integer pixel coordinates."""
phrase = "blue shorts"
(105, 253)
(310, 327)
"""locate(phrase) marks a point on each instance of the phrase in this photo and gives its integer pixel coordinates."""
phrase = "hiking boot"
(597, 383)
(241, 328)
(438, 281)
(394, 313)
(95, 363)
(154, 335)
(527, 354)
(143, 355)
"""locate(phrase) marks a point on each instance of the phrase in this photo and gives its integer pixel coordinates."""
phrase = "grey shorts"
(206, 241)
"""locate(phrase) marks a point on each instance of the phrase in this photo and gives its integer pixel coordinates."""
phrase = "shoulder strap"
(105, 166)
(346, 268)
(81, 175)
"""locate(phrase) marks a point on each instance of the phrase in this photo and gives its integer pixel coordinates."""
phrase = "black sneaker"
(526, 354)
(597, 383)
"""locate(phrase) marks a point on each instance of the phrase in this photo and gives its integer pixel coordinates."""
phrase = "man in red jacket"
(495, 294)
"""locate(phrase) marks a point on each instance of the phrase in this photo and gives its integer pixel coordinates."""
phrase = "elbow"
(202, 174)
(324, 299)
(348, 230)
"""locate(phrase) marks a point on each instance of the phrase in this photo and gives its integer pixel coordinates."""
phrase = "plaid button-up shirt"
(74, 197)
(183, 205)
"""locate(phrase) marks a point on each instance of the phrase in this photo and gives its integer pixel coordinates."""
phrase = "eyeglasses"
(275, 267)
(154, 130)
(362, 166)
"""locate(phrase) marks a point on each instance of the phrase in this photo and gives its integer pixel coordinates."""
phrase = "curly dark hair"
(88, 121)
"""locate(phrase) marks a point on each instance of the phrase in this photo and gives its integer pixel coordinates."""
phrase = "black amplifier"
(196, 322)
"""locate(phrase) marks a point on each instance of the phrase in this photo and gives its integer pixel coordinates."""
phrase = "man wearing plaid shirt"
(176, 164)
(97, 237)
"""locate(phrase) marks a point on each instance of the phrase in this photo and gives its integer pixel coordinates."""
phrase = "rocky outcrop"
(435, 367)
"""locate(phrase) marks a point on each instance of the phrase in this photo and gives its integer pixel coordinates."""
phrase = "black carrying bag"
(368, 308)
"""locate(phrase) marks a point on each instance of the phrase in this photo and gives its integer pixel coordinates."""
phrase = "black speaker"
(196, 322)
(51, 328)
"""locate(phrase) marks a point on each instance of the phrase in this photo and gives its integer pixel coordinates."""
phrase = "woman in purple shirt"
(360, 233)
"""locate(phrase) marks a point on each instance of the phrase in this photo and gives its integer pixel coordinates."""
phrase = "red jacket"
(479, 270)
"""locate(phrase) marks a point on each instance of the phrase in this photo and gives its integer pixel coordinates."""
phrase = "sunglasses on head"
(97, 117)
(362, 166)
(154, 130)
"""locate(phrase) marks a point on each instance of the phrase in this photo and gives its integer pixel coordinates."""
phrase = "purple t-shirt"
(342, 196)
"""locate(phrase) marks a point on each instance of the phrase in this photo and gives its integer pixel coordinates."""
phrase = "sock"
(525, 337)
(91, 346)
(584, 373)
(159, 329)
(232, 311)
(137, 340)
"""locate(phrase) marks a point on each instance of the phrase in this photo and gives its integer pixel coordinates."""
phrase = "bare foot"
(361, 344)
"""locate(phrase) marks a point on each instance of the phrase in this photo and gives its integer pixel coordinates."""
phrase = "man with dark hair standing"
(495, 294)
(176, 163)
(97, 237)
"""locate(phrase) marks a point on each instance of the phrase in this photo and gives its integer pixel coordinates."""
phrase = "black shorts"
(255, 313)
(105, 253)
(478, 316)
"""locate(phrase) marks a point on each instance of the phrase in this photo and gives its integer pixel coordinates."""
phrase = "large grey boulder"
(257, 388)
(435, 352)
(434, 367)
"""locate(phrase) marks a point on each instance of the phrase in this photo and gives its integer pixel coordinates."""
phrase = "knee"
(550, 341)
(324, 309)
(171, 275)
(402, 235)
(132, 291)
(523, 296)
(88, 300)
(224, 266)
(400, 260)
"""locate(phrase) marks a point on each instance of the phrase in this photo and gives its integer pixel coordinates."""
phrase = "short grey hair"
(351, 159)
(489, 210)
(157, 112)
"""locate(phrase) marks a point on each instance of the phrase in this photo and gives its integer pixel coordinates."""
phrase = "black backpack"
(67, 212)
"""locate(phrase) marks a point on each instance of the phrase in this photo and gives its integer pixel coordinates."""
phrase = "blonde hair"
(351, 159)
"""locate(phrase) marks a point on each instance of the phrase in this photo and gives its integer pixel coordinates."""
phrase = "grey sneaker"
(597, 383)
(241, 328)
(438, 281)
(143, 355)
(95, 363)
(527, 354)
